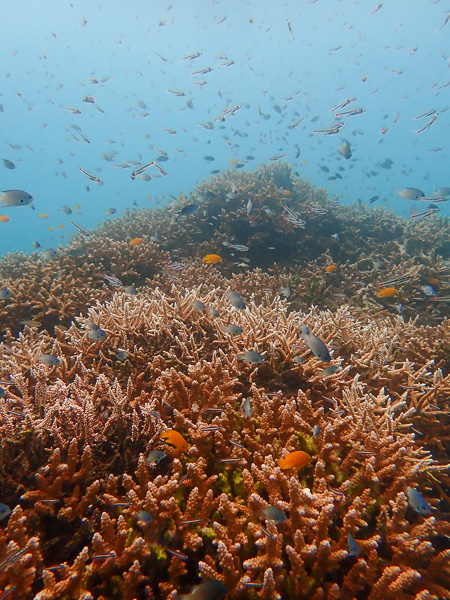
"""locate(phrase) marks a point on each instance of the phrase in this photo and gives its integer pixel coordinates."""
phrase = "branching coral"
(86, 425)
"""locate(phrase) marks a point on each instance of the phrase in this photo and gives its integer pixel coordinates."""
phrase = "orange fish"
(287, 193)
(330, 268)
(136, 241)
(4, 219)
(233, 161)
(212, 259)
(61, 226)
(43, 216)
(388, 292)
(50, 228)
(431, 281)
(175, 439)
(294, 460)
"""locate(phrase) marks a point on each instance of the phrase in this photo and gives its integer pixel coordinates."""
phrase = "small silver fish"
(272, 513)
(417, 502)
(316, 431)
(198, 305)
(315, 344)
(130, 290)
(331, 370)
(48, 359)
(155, 457)
(251, 357)
(233, 329)
(5, 293)
(15, 198)
(411, 193)
(49, 254)
(122, 355)
(97, 335)
(247, 408)
(235, 299)
(213, 312)
(143, 516)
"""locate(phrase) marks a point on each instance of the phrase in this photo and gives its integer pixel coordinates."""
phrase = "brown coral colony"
(269, 424)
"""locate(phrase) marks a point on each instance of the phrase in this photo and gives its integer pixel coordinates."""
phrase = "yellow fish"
(212, 259)
(136, 241)
(294, 460)
(175, 439)
(387, 292)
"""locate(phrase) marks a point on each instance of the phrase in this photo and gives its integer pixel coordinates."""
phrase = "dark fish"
(189, 209)
(8, 164)
(387, 164)
(373, 199)
(209, 158)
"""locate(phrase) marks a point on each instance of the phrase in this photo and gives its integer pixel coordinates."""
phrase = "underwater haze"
(200, 87)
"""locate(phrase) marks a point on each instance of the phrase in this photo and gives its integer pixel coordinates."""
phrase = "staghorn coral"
(92, 518)
(86, 425)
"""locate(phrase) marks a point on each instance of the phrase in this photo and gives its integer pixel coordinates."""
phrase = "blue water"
(50, 49)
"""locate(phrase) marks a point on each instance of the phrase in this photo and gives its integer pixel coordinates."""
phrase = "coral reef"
(85, 427)
(96, 515)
